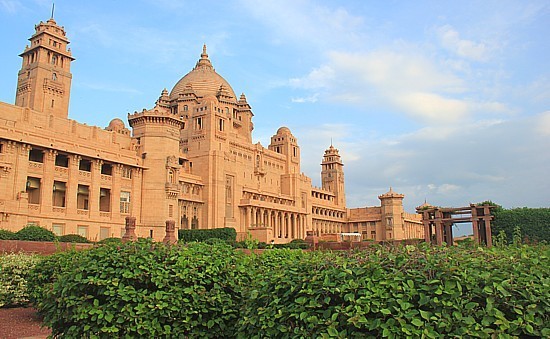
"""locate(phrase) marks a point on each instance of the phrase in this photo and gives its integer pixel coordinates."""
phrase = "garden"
(209, 289)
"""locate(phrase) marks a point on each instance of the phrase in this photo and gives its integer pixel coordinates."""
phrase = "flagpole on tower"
(53, 8)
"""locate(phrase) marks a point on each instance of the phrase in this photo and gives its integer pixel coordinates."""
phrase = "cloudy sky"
(447, 101)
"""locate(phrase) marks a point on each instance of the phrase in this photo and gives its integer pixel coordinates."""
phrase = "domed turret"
(204, 81)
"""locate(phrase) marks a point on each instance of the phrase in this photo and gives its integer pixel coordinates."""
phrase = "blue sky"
(447, 101)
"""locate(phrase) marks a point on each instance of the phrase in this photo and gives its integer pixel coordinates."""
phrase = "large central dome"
(203, 79)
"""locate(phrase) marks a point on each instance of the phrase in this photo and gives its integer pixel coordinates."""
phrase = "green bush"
(7, 235)
(533, 223)
(76, 238)
(116, 241)
(145, 289)
(227, 234)
(14, 270)
(400, 292)
(35, 233)
(47, 271)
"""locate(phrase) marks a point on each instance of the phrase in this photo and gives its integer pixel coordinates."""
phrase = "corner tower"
(44, 81)
(332, 175)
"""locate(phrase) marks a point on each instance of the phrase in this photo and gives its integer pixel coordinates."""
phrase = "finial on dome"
(204, 62)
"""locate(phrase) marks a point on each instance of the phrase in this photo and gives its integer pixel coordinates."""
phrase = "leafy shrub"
(35, 233)
(227, 234)
(7, 235)
(47, 271)
(533, 223)
(145, 289)
(399, 292)
(76, 238)
(110, 241)
(14, 269)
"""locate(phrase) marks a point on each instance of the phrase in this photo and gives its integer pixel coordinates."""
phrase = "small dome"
(203, 79)
(115, 125)
(283, 130)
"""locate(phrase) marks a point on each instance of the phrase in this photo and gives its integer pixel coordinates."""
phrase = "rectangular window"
(33, 190)
(104, 200)
(127, 172)
(36, 155)
(59, 189)
(104, 232)
(82, 230)
(170, 211)
(125, 202)
(107, 169)
(62, 160)
(198, 124)
(82, 197)
(85, 165)
(57, 229)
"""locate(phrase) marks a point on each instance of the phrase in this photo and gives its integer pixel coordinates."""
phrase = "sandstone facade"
(190, 159)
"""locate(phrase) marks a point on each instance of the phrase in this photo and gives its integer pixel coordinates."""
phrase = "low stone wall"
(39, 247)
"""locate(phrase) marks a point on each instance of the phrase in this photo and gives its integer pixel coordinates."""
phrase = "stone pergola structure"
(438, 222)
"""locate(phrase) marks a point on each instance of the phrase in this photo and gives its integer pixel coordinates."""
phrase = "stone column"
(130, 234)
(116, 185)
(46, 186)
(72, 184)
(170, 237)
(95, 185)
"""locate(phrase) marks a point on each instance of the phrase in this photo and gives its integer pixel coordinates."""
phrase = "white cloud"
(433, 108)
(311, 99)
(450, 39)
(318, 78)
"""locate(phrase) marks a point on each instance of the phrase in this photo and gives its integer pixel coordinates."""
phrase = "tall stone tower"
(332, 175)
(392, 214)
(44, 81)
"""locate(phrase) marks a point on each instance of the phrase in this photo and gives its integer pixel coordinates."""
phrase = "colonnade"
(285, 224)
(327, 226)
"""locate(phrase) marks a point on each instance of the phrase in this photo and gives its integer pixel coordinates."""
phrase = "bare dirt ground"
(17, 323)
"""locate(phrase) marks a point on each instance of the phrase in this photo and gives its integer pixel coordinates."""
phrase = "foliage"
(42, 276)
(400, 292)
(14, 270)
(146, 289)
(76, 238)
(110, 241)
(7, 235)
(227, 233)
(533, 223)
(35, 233)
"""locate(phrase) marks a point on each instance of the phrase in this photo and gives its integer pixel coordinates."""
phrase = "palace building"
(190, 158)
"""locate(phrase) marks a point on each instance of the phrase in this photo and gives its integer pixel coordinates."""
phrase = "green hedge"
(7, 235)
(146, 289)
(73, 238)
(533, 223)
(400, 292)
(14, 271)
(227, 234)
(35, 233)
